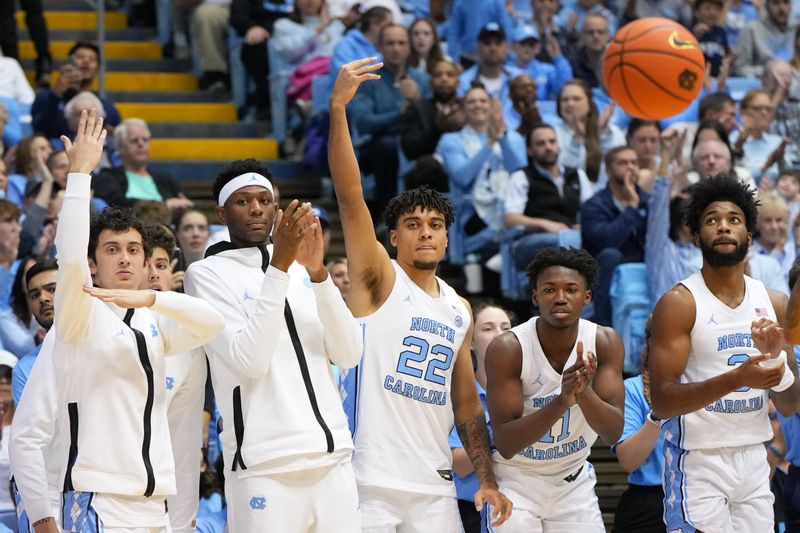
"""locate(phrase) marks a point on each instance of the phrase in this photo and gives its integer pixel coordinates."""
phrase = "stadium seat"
(279, 71)
(739, 85)
(630, 305)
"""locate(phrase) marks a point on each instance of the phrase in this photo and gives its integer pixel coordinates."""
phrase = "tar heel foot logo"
(258, 503)
(170, 383)
(687, 80)
(153, 330)
(459, 321)
(678, 43)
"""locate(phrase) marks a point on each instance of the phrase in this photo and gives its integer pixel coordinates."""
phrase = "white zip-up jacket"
(110, 405)
(274, 389)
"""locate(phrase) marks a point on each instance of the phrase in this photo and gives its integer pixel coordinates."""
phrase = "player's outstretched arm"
(72, 306)
(369, 266)
(512, 431)
(471, 427)
(603, 399)
(787, 400)
(673, 319)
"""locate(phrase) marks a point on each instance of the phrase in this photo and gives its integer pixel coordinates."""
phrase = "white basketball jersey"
(404, 410)
(720, 340)
(563, 449)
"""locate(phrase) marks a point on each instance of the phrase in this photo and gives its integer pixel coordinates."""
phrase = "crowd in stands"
(501, 104)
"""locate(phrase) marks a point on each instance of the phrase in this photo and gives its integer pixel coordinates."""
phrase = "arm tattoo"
(42, 521)
(475, 438)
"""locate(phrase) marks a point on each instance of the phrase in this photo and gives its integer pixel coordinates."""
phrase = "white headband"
(243, 180)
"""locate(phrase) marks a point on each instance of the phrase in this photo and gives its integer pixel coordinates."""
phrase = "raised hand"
(350, 77)
(287, 233)
(311, 253)
(776, 156)
(125, 298)
(85, 152)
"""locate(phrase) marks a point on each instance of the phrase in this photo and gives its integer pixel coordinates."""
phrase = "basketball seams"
(658, 52)
(619, 65)
(657, 84)
(644, 32)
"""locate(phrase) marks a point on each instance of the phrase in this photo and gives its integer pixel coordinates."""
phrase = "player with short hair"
(93, 415)
(716, 360)
(286, 442)
(186, 390)
(415, 378)
(554, 383)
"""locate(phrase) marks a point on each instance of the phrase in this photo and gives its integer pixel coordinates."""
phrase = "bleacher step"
(77, 20)
(179, 112)
(207, 170)
(166, 96)
(134, 65)
(112, 49)
(122, 34)
(212, 149)
(145, 81)
(203, 129)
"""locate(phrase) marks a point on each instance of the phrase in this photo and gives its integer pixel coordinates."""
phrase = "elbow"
(506, 451)
(788, 406)
(627, 465)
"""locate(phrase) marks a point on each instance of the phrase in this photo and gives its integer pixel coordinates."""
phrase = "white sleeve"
(73, 306)
(516, 193)
(185, 416)
(32, 432)
(185, 322)
(247, 344)
(341, 331)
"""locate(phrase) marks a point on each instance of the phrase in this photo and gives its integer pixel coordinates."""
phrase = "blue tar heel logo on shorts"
(258, 503)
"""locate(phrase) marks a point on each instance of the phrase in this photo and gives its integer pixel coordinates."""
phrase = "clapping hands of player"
(289, 233)
(311, 253)
(350, 77)
(500, 505)
(85, 152)
(767, 337)
(577, 377)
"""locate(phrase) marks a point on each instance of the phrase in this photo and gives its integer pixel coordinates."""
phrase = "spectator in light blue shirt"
(41, 283)
(549, 77)
(490, 321)
(361, 42)
(640, 451)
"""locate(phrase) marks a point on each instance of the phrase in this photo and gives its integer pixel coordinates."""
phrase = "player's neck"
(725, 283)
(424, 278)
(557, 343)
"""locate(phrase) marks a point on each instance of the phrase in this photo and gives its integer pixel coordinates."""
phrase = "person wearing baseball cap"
(549, 77)
(467, 21)
(491, 70)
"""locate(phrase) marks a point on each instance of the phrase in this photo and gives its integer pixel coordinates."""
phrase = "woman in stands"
(644, 136)
(640, 451)
(755, 146)
(191, 229)
(426, 48)
(308, 33)
(30, 151)
(584, 136)
(479, 159)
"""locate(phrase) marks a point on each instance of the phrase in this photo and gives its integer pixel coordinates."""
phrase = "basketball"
(653, 68)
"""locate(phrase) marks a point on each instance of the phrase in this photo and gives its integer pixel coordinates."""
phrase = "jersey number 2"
(419, 355)
(547, 438)
(737, 359)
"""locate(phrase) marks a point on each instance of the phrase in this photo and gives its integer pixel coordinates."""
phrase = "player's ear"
(92, 267)
(220, 213)
(393, 238)
(534, 298)
(587, 297)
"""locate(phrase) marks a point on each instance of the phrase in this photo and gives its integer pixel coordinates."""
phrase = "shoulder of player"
(678, 303)
(505, 351)
(608, 343)
(780, 303)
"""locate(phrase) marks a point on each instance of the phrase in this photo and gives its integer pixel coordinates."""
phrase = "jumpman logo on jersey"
(408, 299)
(538, 380)
(711, 320)
(247, 296)
(121, 332)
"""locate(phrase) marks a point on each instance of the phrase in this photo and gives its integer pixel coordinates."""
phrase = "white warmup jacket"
(270, 366)
(110, 403)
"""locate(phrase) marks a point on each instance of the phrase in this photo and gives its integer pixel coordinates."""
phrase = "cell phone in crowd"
(180, 266)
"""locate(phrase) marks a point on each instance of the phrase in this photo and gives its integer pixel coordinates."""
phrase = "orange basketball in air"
(653, 68)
